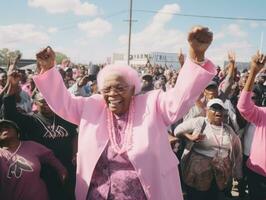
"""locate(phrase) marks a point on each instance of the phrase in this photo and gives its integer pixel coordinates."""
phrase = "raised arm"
(196, 73)
(9, 108)
(51, 85)
(245, 105)
(230, 76)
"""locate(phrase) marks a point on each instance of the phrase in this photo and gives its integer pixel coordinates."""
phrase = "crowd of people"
(130, 133)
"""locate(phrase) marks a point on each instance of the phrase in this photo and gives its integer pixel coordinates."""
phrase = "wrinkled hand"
(257, 62)
(199, 39)
(45, 59)
(195, 137)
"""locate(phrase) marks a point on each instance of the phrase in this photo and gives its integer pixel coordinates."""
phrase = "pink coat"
(151, 154)
(256, 115)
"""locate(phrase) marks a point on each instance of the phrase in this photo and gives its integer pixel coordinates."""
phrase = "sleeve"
(187, 126)
(248, 109)
(61, 101)
(226, 87)
(46, 156)
(192, 80)
(10, 112)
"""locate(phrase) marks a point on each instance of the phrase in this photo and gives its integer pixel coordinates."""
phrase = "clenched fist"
(45, 59)
(199, 39)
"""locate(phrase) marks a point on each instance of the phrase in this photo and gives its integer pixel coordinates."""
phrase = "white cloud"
(219, 35)
(52, 30)
(22, 33)
(156, 36)
(63, 6)
(235, 30)
(243, 49)
(86, 9)
(231, 30)
(95, 28)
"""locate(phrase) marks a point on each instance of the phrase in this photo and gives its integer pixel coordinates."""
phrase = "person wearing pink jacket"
(257, 115)
(123, 148)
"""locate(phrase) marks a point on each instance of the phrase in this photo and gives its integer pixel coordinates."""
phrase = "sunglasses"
(217, 108)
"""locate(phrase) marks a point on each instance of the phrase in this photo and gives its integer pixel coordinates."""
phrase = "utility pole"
(129, 33)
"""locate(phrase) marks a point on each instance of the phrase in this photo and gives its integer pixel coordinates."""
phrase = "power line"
(74, 24)
(202, 16)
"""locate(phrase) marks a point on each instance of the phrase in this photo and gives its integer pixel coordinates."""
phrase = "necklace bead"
(127, 143)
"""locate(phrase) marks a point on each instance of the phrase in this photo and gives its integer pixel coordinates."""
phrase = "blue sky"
(93, 30)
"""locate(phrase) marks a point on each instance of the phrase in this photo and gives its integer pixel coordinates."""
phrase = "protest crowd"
(146, 132)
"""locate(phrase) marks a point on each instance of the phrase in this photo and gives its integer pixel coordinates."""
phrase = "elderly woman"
(20, 165)
(215, 156)
(123, 148)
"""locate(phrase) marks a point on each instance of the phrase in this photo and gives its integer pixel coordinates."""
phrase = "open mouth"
(218, 116)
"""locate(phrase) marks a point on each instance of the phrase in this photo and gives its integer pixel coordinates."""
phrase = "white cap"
(215, 101)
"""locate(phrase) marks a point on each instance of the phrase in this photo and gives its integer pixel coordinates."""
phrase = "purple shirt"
(20, 174)
(114, 177)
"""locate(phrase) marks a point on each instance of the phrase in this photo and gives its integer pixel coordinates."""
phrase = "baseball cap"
(212, 83)
(9, 123)
(147, 77)
(215, 101)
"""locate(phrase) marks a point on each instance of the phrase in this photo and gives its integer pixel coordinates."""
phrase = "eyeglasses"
(217, 108)
(120, 89)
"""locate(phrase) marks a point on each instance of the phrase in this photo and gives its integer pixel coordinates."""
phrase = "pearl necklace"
(127, 143)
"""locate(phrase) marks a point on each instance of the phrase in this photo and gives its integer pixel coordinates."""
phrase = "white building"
(154, 58)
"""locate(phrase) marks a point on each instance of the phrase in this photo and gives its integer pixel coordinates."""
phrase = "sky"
(93, 30)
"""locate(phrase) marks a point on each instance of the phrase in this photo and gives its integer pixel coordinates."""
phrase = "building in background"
(154, 58)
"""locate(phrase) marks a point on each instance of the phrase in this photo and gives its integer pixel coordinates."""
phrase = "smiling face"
(117, 94)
